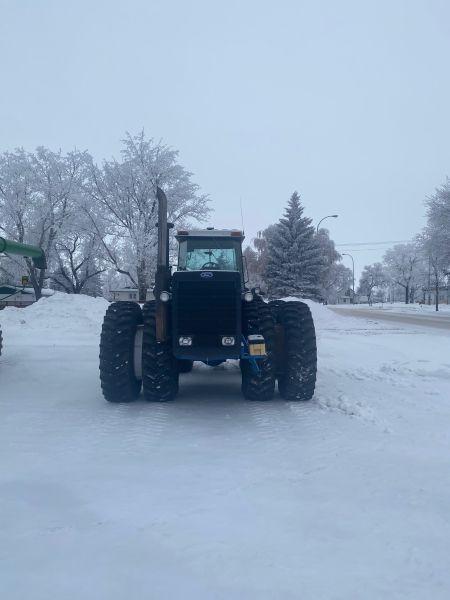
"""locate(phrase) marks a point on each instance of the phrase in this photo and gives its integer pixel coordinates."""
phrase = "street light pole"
(327, 217)
(353, 275)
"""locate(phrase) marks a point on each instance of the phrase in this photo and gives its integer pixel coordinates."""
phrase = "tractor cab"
(211, 250)
(207, 292)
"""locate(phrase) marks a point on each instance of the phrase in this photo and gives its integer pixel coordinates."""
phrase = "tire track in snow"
(286, 424)
(270, 419)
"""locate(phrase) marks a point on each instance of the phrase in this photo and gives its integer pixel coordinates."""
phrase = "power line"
(361, 249)
(374, 243)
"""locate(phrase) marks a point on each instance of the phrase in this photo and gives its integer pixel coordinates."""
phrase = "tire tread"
(118, 381)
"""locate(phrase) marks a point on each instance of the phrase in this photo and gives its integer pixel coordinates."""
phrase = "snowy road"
(210, 496)
(439, 320)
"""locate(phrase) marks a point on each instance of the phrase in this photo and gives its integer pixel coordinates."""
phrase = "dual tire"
(296, 368)
(288, 329)
(159, 369)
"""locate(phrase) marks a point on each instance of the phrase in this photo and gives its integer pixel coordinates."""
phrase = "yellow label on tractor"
(257, 349)
(256, 345)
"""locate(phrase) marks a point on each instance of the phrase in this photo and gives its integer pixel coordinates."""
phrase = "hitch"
(253, 349)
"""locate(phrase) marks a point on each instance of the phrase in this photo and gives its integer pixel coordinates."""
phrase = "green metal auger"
(33, 252)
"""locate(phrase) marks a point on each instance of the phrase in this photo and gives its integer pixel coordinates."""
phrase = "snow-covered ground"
(210, 496)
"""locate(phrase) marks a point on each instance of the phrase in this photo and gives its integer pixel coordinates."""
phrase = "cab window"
(210, 255)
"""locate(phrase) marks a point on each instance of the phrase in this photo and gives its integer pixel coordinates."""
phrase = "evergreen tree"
(294, 259)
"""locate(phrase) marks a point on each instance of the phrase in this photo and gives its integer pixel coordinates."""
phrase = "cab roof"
(183, 234)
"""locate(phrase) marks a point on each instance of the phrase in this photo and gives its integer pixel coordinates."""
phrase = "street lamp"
(327, 217)
(353, 276)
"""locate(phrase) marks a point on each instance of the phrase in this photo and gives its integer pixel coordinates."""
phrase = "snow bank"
(59, 314)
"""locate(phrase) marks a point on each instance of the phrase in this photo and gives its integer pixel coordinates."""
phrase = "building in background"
(429, 295)
(20, 297)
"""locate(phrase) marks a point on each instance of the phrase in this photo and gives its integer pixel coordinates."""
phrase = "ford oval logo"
(206, 274)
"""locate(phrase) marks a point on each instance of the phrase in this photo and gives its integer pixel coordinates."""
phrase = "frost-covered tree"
(293, 255)
(339, 280)
(438, 222)
(79, 263)
(256, 258)
(17, 189)
(39, 195)
(125, 206)
(432, 243)
(402, 265)
(329, 273)
(372, 278)
(251, 265)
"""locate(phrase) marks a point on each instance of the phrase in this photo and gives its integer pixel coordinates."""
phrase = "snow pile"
(353, 407)
(59, 314)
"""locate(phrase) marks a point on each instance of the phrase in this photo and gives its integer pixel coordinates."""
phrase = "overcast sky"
(345, 101)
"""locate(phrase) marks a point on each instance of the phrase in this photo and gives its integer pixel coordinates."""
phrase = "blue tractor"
(205, 312)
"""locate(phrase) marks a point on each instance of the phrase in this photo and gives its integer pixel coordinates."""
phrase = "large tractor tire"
(117, 373)
(257, 319)
(276, 309)
(297, 361)
(159, 367)
(185, 366)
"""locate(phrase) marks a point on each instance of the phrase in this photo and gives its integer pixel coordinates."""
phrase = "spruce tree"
(294, 259)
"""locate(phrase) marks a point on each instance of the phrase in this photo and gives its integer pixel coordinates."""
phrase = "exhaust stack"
(162, 278)
(163, 232)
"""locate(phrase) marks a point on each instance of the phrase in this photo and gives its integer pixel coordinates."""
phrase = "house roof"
(12, 289)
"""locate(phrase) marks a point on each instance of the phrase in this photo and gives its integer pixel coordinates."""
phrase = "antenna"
(242, 215)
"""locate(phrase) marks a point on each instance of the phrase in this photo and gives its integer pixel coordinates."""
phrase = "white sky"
(347, 102)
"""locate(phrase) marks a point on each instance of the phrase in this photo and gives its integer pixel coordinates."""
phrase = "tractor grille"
(205, 308)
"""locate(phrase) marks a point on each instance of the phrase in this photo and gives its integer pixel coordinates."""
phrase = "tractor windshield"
(210, 254)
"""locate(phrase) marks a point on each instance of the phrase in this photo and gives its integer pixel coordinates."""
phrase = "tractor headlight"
(248, 296)
(228, 340)
(164, 296)
(185, 340)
